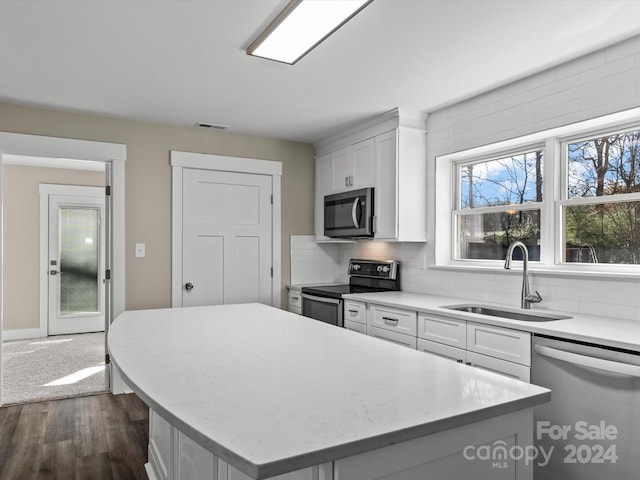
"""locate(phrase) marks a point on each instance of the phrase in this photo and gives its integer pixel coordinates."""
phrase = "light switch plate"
(140, 250)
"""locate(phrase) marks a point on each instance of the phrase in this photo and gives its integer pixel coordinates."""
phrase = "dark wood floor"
(95, 437)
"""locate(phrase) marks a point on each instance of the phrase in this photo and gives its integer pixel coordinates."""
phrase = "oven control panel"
(373, 269)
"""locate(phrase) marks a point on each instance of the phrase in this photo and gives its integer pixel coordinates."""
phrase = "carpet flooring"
(54, 367)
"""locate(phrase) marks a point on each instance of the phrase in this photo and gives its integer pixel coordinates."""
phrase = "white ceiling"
(181, 62)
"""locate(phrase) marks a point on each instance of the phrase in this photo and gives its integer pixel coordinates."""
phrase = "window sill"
(604, 273)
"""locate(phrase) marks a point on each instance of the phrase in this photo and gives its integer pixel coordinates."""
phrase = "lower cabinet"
(445, 454)
(295, 301)
(394, 337)
(175, 456)
(355, 316)
(355, 326)
(496, 349)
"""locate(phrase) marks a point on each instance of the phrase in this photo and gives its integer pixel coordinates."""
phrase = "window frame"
(458, 212)
(555, 182)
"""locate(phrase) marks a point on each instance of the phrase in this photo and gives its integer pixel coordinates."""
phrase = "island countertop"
(270, 392)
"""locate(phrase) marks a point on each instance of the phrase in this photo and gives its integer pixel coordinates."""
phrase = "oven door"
(328, 310)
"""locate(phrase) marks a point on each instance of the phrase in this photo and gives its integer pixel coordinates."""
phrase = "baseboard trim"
(23, 334)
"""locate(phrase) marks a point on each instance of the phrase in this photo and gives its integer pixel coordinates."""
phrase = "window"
(570, 194)
(499, 201)
(601, 199)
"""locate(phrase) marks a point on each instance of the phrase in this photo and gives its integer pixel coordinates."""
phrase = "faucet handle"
(537, 298)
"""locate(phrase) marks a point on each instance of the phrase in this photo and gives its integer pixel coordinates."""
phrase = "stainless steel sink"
(506, 313)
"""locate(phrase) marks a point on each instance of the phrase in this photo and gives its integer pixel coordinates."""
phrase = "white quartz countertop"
(611, 332)
(271, 392)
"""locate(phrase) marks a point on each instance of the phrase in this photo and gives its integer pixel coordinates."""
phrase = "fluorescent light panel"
(301, 26)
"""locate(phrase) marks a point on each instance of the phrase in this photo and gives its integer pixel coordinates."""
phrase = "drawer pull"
(460, 360)
(390, 320)
(353, 312)
(295, 298)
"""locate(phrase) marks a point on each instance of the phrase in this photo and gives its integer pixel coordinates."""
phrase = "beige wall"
(148, 184)
(21, 249)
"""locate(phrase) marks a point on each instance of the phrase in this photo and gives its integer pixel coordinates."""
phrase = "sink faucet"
(526, 299)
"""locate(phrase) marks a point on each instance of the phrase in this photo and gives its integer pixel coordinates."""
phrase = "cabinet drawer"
(503, 343)
(443, 330)
(355, 311)
(355, 326)
(394, 319)
(295, 299)
(394, 337)
(446, 351)
(503, 367)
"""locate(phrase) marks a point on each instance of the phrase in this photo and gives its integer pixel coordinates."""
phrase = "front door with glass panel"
(76, 264)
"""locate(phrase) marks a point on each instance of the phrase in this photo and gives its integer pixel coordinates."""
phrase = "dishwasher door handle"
(610, 366)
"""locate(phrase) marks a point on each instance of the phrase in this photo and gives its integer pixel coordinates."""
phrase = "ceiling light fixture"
(301, 26)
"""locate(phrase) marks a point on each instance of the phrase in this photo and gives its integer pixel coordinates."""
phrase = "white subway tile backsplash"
(313, 262)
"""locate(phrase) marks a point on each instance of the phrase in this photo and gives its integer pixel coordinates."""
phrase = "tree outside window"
(601, 210)
(499, 201)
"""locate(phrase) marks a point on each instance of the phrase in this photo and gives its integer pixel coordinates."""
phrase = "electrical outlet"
(140, 250)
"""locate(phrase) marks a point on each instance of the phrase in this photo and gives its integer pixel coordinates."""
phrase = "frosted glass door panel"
(79, 260)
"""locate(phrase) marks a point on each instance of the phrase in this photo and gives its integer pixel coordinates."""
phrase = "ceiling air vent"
(213, 126)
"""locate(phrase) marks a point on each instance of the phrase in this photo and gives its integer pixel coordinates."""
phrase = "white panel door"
(227, 238)
(76, 264)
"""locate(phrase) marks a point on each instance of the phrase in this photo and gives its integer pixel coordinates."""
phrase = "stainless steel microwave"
(349, 214)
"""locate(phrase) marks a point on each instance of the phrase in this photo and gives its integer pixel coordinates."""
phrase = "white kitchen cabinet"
(496, 365)
(442, 350)
(388, 154)
(317, 472)
(393, 336)
(355, 326)
(295, 301)
(443, 330)
(392, 324)
(503, 343)
(355, 311)
(393, 319)
(497, 349)
(353, 166)
(323, 187)
(175, 456)
(400, 187)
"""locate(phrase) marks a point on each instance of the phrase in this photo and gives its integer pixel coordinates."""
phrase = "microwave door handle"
(354, 209)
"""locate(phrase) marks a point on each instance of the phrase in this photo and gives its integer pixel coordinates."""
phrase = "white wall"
(598, 84)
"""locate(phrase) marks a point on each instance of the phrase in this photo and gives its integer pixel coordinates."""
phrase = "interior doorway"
(112, 157)
(63, 266)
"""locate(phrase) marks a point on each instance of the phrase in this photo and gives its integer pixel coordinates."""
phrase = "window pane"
(603, 233)
(505, 181)
(604, 166)
(488, 235)
(79, 260)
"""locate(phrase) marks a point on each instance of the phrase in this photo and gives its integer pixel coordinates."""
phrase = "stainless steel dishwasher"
(591, 427)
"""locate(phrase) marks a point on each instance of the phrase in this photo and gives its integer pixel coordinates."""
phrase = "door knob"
(188, 286)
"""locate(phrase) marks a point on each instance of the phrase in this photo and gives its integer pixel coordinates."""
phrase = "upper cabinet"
(353, 166)
(389, 155)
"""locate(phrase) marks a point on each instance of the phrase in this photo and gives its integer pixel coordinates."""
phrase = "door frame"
(114, 156)
(180, 161)
(45, 190)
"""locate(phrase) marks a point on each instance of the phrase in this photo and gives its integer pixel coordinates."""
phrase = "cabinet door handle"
(390, 320)
(346, 181)
(353, 312)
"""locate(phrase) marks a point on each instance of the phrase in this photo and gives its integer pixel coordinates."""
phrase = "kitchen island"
(250, 391)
